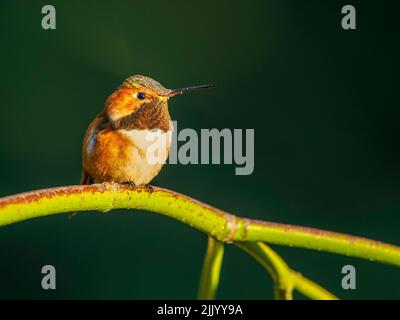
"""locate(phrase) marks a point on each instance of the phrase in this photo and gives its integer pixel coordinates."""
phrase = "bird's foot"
(148, 188)
(131, 184)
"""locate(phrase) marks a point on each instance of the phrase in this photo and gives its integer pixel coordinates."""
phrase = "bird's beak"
(174, 92)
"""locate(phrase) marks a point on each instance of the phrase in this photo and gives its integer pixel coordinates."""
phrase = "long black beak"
(174, 92)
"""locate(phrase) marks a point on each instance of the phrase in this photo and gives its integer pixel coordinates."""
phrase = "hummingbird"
(117, 141)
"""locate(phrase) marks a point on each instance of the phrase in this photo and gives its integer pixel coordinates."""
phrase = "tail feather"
(85, 178)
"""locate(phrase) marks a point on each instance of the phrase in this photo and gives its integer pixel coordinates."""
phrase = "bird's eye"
(141, 96)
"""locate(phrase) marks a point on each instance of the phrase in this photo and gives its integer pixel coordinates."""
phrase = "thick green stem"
(223, 226)
(211, 270)
(284, 278)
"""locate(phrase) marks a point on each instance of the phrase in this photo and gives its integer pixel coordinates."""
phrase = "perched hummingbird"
(116, 142)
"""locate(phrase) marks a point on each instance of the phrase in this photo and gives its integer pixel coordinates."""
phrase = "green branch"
(284, 278)
(280, 273)
(211, 269)
(223, 226)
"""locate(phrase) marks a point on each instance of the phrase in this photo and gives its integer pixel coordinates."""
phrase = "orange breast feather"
(106, 153)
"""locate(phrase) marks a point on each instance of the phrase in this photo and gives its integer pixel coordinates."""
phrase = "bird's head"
(141, 103)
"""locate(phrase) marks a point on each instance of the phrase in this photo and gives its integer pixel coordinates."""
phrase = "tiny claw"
(148, 188)
(131, 184)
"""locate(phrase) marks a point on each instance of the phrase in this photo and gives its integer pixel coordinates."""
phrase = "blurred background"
(324, 103)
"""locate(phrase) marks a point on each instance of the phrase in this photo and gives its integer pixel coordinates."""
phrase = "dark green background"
(324, 104)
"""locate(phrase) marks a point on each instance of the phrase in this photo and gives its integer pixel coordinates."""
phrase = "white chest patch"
(152, 146)
(149, 154)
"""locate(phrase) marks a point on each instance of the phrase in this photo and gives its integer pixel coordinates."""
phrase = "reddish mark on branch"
(231, 225)
(192, 201)
(320, 233)
(29, 197)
